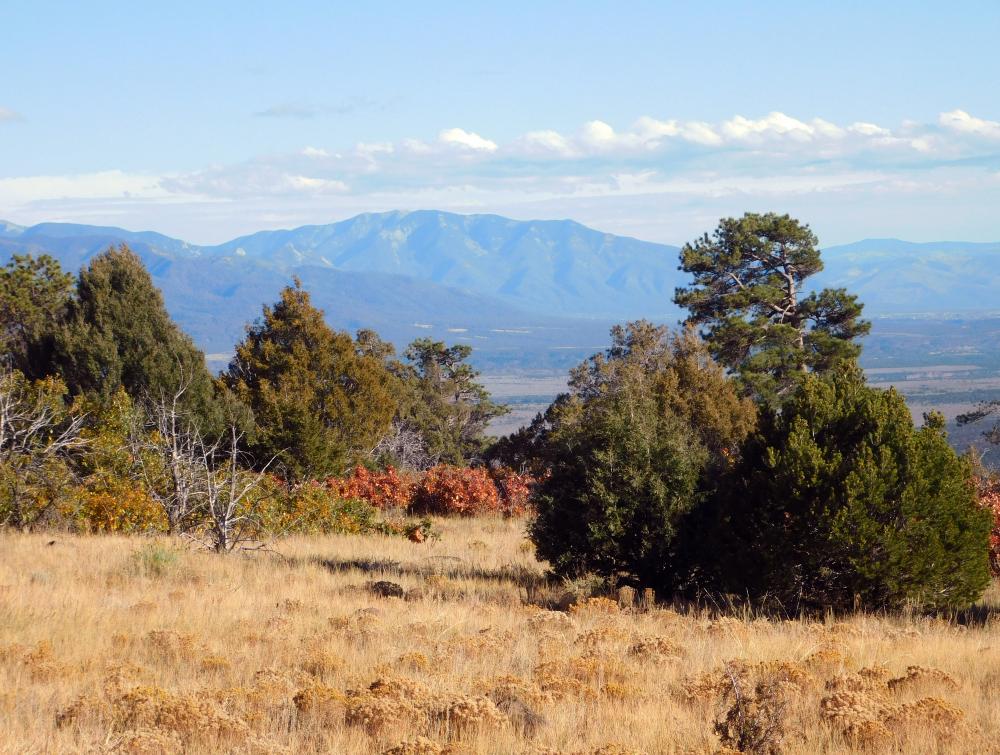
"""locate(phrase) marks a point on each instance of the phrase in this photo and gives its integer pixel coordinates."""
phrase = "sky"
(210, 120)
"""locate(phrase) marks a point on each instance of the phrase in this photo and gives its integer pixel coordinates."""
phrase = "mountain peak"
(10, 229)
(547, 267)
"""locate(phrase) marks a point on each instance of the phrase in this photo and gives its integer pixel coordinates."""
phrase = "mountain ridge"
(494, 282)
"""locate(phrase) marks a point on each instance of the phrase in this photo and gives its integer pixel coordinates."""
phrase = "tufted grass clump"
(154, 560)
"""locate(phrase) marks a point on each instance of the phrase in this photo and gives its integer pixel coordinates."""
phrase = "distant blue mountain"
(214, 291)
(555, 266)
(899, 277)
(505, 286)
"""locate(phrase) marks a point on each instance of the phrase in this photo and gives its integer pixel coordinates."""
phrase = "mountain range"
(513, 289)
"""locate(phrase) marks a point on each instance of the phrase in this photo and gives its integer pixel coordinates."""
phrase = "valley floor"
(114, 644)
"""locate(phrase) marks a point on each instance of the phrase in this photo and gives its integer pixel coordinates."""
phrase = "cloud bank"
(660, 178)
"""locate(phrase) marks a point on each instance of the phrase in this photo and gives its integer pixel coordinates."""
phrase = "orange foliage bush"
(443, 490)
(990, 499)
(383, 490)
(514, 490)
(448, 490)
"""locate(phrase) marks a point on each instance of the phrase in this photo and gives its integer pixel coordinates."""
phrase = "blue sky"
(206, 120)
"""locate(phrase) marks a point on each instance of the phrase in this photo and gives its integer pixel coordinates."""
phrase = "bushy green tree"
(749, 295)
(630, 451)
(320, 400)
(839, 500)
(34, 296)
(118, 333)
(445, 404)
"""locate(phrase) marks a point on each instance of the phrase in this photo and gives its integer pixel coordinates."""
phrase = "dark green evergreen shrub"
(839, 501)
(629, 452)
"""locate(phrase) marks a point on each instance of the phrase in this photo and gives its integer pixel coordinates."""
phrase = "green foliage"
(311, 508)
(748, 293)
(113, 491)
(445, 404)
(109, 460)
(38, 434)
(630, 451)
(839, 500)
(118, 334)
(154, 560)
(34, 296)
(319, 401)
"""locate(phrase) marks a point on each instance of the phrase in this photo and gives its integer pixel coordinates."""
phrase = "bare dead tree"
(167, 453)
(404, 446)
(34, 436)
(229, 505)
(205, 491)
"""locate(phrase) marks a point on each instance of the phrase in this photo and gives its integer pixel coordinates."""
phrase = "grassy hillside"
(131, 645)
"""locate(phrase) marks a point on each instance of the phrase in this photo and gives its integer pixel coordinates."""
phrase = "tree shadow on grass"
(451, 567)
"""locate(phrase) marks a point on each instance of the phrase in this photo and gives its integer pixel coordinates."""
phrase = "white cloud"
(315, 152)
(415, 146)
(741, 128)
(599, 135)
(545, 142)
(7, 115)
(868, 129)
(314, 185)
(467, 140)
(650, 129)
(700, 133)
(369, 149)
(109, 184)
(962, 122)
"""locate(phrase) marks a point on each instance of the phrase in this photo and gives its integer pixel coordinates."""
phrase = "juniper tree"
(445, 402)
(750, 296)
(630, 451)
(118, 333)
(320, 400)
(34, 296)
(838, 500)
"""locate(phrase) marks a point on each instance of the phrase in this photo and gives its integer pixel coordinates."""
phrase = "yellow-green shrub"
(128, 509)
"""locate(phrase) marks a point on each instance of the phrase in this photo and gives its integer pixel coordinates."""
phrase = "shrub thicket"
(839, 501)
(386, 489)
(453, 490)
(443, 490)
(989, 499)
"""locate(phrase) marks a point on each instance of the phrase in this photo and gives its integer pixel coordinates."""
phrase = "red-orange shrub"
(990, 499)
(447, 490)
(383, 490)
(514, 490)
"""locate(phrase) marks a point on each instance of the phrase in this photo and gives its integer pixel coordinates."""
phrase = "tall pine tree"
(749, 295)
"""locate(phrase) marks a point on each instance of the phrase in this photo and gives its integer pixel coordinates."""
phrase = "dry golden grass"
(116, 645)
